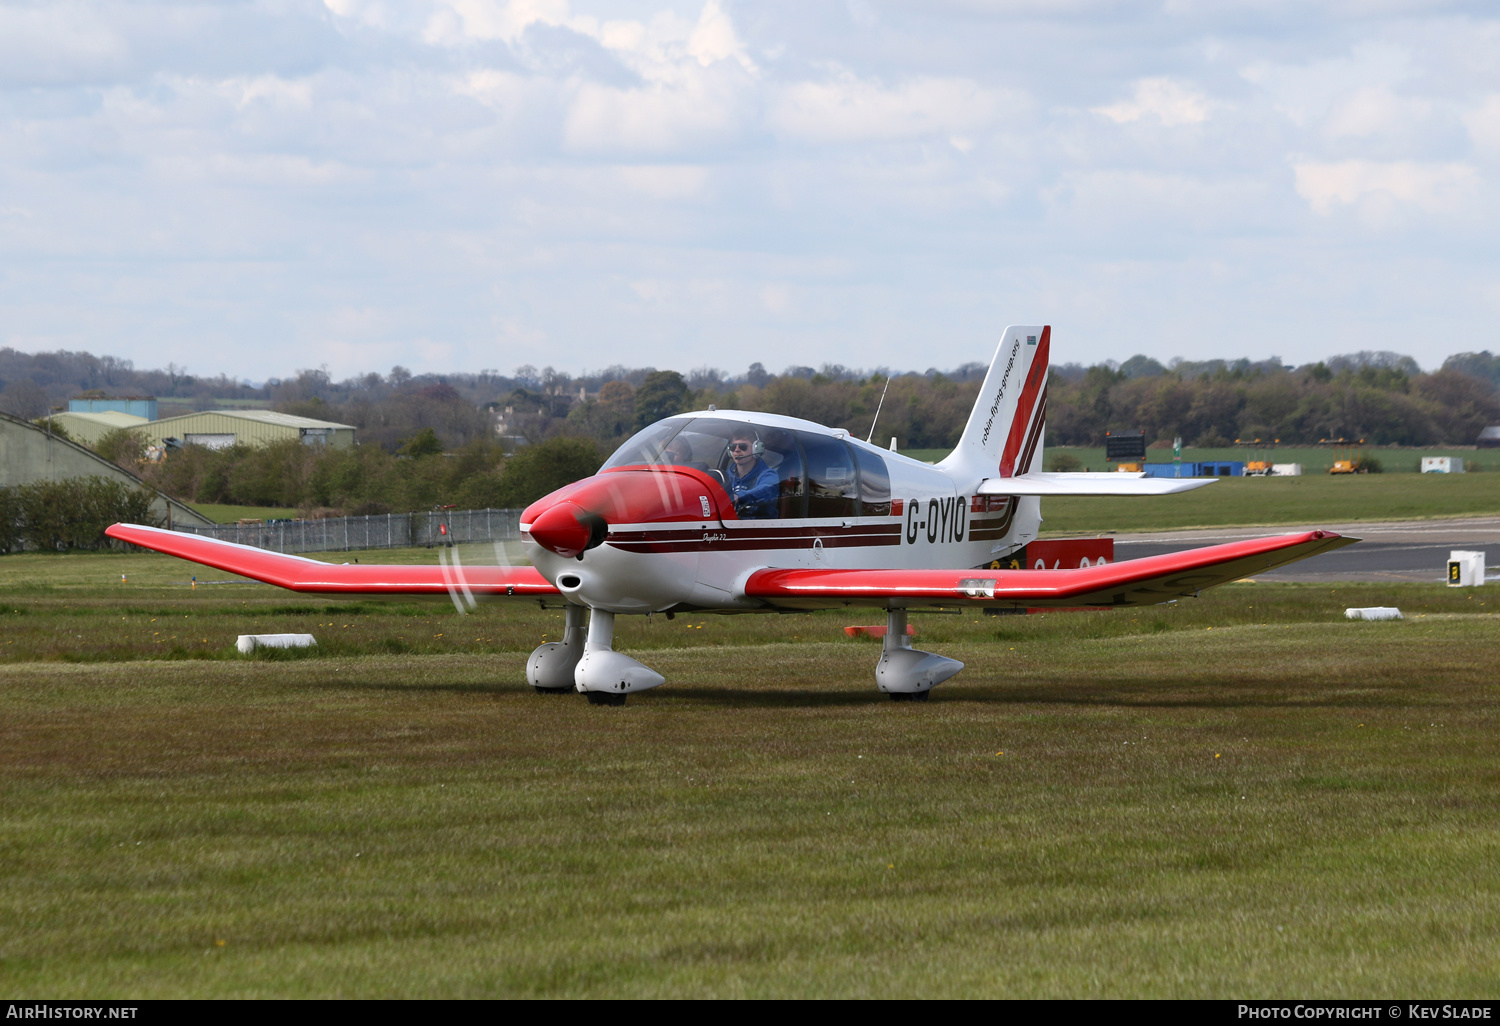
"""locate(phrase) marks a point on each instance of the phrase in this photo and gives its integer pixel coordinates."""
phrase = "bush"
(69, 514)
(122, 446)
(11, 538)
(1064, 463)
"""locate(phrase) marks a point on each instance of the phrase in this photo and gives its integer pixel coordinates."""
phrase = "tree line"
(487, 439)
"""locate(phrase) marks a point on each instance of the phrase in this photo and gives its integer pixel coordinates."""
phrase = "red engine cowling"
(576, 518)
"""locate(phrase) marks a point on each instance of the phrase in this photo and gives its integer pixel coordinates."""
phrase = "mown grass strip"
(1243, 795)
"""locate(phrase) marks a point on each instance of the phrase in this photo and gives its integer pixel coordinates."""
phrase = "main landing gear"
(905, 673)
(589, 663)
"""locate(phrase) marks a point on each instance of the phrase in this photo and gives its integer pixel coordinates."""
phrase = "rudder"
(1004, 432)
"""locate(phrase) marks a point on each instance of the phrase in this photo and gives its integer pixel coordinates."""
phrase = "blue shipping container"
(1191, 468)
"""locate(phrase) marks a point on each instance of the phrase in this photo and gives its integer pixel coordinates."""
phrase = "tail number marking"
(946, 519)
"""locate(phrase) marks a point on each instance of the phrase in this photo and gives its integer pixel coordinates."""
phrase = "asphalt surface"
(1411, 550)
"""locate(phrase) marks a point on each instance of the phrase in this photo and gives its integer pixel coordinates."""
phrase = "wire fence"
(389, 531)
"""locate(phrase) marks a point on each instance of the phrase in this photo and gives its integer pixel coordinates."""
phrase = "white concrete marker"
(1374, 613)
(250, 642)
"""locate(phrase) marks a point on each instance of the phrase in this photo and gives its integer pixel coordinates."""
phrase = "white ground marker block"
(250, 642)
(1465, 569)
(1374, 613)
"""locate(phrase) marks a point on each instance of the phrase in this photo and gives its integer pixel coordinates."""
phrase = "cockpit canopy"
(821, 476)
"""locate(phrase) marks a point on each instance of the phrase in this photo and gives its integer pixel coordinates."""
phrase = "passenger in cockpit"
(752, 484)
(678, 452)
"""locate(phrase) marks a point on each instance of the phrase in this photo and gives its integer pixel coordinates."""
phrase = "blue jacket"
(755, 495)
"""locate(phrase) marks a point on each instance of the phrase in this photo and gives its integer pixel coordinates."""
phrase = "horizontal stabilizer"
(1133, 582)
(1090, 484)
(298, 573)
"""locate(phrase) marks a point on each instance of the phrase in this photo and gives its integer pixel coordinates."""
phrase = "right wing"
(298, 573)
(1090, 484)
(1131, 582)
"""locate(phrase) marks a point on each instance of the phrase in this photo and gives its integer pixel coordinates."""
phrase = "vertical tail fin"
(1004, 432)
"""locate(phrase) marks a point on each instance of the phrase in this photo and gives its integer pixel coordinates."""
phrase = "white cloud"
(271, 89)
(1305, 93)
(844, 108)
(776, 297)
(464, 170)
(1372, 111)
(457, 21)
(714, 38)
(1483, 124)
(58, 42)
(661, 118)
(1170, 102)
(1429, 187)
(665, 182)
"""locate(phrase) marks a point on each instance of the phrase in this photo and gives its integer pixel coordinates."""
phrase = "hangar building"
(29, 453)
(88, 428)
(219, 429)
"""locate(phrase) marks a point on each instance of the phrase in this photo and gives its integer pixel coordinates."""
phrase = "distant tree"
(662, 394)
(424, 443)
(1141, 366)
(24, 399)
(1383, 359)
(546, 467)
(1476, 365)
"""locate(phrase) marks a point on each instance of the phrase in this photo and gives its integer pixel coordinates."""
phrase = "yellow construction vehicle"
(1254, 467)
(1348, 456)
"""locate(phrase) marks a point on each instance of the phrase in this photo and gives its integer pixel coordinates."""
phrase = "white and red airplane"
(846, 524)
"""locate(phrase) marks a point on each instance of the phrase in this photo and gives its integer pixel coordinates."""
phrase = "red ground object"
(1069, 553)
(876, 630)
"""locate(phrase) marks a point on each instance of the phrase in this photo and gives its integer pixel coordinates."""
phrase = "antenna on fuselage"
(878, 405)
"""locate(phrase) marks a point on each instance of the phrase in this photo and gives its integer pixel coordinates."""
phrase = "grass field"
(1240, 795)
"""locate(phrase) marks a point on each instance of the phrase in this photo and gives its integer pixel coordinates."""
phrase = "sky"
(252, 188)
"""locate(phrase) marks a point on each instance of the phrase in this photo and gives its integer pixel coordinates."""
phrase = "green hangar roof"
(219, 429)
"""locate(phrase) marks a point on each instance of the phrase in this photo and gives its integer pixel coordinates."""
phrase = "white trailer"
(1442, 465)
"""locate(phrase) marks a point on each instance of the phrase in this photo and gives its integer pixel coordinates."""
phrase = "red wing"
(1134, 582)
(301, 574)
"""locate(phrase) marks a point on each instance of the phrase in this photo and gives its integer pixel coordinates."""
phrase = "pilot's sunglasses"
(739, 446)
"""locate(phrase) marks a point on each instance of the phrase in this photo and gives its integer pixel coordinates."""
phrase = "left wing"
(298, 573)
(1133, 582)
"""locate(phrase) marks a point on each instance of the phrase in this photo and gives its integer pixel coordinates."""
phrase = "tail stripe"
(1022, 422)
(1028, 453)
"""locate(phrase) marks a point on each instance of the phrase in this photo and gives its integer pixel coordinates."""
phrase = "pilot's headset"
(757, 447)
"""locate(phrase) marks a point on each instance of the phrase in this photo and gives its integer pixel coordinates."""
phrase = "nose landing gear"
(607, 676)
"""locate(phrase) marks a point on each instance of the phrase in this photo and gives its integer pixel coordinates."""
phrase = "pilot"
(752, 485)
(677, 452)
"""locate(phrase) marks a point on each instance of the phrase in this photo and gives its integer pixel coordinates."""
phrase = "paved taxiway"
(1405, 550)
